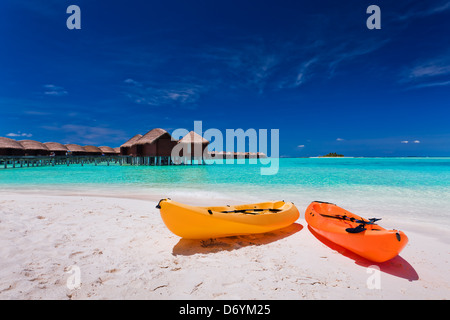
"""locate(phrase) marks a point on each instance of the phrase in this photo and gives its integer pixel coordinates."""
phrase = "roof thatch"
(261, 155)
(107, 150)
(193, 137)
(117, 150)
(152, 136)
(92, 149)
(130, 142)
(75, 148)
(6, 143)
(56, 147)
(33, 145)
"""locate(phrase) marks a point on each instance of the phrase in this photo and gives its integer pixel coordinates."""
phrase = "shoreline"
(124, 251)
(425, 227)
(209, 198)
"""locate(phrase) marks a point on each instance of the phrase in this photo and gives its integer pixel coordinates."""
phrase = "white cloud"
(181, 93)
(428, 73)
(250, 65)
(19, 134)
(431, 84)
(303, 71)
(404, 141)
(430, 69)
(416, 141)
(88, 135)
(339, 139)
(36, 113)
(134, 82)
(424, 12)
(443, 7)
(52, 90)
(321, 61)
(301, 146)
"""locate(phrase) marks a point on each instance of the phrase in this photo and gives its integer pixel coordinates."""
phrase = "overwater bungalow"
(128, 148)
(251, 155)
(240, 155)
(108, 151)
(93, 151)
(10, 147)
(56, 148)
(76, 150)
(156, 143)
(34, 148)
(237, 155)
(194, 145)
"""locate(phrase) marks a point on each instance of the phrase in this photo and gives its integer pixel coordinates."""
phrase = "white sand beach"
(122, 250)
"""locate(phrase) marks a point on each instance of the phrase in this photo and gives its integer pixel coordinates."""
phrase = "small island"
(332, 155)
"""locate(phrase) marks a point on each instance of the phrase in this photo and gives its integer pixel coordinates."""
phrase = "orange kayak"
(361, 236)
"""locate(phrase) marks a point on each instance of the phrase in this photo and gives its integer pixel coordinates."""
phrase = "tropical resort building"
(34, 148)
(153, 148)
(56, 148)
(193, 147)
(128, 148)
(76, 150)
(92, 151)
(108, 151)
(10, 147)
(155, 143)
(156, 147)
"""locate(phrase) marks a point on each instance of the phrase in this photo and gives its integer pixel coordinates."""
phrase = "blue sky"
(309, 68)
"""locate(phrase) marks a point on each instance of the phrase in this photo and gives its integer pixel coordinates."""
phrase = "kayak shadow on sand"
(188, 247)
(397, 266)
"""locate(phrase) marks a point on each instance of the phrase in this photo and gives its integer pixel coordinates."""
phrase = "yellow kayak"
(214, 222)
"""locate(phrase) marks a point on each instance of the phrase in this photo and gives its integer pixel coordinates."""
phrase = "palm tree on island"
(332, 155)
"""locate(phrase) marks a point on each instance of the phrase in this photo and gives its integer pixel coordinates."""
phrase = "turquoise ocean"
(414, 191)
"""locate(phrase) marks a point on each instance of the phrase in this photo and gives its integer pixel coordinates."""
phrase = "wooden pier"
(42, 161)
(162, 161)
(7, 162)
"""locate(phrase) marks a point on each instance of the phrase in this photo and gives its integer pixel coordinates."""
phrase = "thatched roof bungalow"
(222, 154)
(195, 145)
(57, 148)
(193, 137)
(240, 155)
(10, 147)
(34, 148)
(108, 151)
(251, 155)
(93, 151)
(156, 143)
(128, 148)
(76, 150)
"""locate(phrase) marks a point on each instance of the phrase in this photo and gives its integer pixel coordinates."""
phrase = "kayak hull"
(374, 243)
(192, 222)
